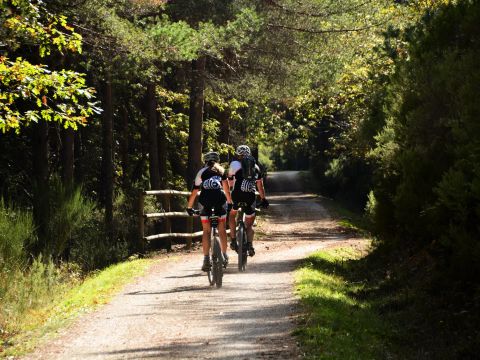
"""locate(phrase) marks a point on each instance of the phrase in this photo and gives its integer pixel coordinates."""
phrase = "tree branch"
(327, 31)
(274, 3)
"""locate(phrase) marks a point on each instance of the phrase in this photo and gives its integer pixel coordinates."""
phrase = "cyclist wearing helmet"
(244, 192)
(212, 181)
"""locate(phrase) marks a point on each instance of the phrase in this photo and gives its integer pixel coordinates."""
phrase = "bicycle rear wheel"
(241, 239)
(211, 278)
(217, 263)
(245, 250)
(211, 272)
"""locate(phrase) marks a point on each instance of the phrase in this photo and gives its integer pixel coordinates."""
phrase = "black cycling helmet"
(243, 150)
(211, 156)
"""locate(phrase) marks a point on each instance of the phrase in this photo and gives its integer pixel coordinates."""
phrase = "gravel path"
(173, 313)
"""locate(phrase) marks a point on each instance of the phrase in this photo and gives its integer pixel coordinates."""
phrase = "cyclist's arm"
(196, 187)
(191, 199)
(226, 189)
(261, 188)
(231, 176)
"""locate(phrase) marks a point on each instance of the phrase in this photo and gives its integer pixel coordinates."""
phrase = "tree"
(30, 92)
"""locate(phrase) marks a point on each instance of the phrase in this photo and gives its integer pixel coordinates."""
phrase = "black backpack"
(248, 167)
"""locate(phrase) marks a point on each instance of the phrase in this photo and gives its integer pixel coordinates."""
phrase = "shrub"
(16, 231)
(428, 154)
(68, 212)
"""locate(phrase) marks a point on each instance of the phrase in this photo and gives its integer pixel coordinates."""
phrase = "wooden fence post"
(141, 224)
(189, 230)
(168, 222)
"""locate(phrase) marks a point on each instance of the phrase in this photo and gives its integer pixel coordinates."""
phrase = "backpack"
(248, 168)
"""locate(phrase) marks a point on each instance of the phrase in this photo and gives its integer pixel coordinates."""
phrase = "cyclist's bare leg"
(232, 223)
(207, 230)
(249, 220)
(222, 232)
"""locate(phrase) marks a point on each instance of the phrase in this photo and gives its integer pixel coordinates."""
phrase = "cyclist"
(244, 192)
(212, 181)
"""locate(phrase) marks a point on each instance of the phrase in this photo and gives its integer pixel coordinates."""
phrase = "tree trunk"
(196, 119)
(124, 148)
(155, 182)
(40, 194)
(78, 152)
(107, 164)
(68, 137)
(162, 152)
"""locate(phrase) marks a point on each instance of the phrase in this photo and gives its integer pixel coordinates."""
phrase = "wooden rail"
(166, 192)
(167, 215)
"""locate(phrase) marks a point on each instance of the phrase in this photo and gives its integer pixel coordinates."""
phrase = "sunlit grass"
(335, 325)
(64, 303)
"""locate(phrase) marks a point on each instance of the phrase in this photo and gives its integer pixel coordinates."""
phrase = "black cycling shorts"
(218, 210)
(245, 200)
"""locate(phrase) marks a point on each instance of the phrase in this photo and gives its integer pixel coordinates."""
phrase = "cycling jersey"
(243, 189)
(211, 195)
(241, 184)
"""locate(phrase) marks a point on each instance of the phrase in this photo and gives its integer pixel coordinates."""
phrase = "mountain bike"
(215, 273)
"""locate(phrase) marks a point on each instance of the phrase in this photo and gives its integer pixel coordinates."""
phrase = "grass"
(66, 302)
(336, 324)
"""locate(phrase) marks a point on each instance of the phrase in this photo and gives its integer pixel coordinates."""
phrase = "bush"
(16, 231)
(347, 180)
(23, 290)
(91, 244)
(68, 211)
(429, 150)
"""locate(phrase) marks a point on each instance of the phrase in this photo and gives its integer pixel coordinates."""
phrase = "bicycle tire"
(211, 273)
(240, 233)
(217, 265)
(210, 276)
(242, 249)
(245, 249)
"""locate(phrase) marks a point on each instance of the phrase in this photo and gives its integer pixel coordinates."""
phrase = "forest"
(378, 101)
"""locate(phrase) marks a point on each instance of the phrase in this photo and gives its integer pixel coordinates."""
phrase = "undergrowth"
(397, 299)
(48, 297)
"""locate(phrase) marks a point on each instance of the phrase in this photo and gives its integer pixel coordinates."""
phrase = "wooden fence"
(167, 215)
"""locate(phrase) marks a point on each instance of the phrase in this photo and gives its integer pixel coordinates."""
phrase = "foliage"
(409, 318)
(16, 232)
(428, 150)
(47, 297)
(68, 213)
(47, 95)
(30, 22)
(25, 290)
(31, 92)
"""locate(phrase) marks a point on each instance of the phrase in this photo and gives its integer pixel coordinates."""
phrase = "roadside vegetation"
(335, 323)
(371, 302)
(47, 297)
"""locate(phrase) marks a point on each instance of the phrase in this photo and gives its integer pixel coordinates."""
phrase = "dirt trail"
(172, 313)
